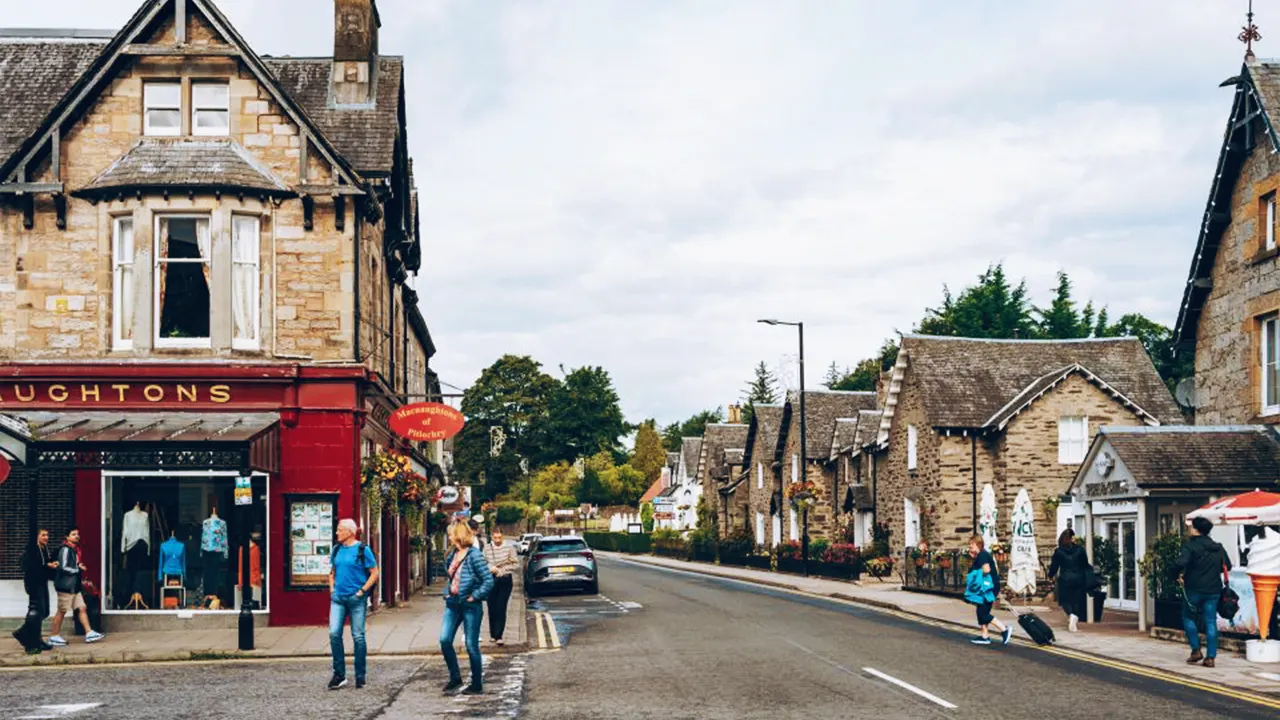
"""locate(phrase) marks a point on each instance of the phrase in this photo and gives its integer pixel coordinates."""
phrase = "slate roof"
(186, 163)
(966, 383)
(365, 135)
(35, 73)
(822, 409)
(763, 433)
(715, 440)
(862, 499)
(846, 430)
(732, 457)
(691, 447)
(1245, 456)
(868, 426)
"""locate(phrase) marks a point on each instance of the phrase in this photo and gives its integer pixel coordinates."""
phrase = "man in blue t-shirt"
(353, 572)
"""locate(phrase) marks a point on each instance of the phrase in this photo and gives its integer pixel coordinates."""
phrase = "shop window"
(1073, 439)
(1270, 371)
(210, 109)
(174, 542)
(245, 282)
(912, 438)
(162, 109)
(122, 284)
(182, 275)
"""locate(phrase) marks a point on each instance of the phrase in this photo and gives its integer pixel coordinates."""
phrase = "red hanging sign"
(4, 469)
(425, 422)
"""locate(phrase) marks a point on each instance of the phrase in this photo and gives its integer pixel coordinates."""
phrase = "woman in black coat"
(1071, 566)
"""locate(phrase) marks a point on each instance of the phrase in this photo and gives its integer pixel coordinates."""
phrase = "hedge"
(618, 542)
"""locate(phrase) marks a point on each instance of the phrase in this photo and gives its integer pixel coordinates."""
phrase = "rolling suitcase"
(1036, 628)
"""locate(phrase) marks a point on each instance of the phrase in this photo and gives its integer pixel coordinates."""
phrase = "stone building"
(961, 413)
(198, 241)
(853, 473)
(763, 487)
(822, 409)
(713, 472)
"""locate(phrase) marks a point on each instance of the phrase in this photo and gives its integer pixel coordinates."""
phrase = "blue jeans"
(1207, 606)
(340, 608)
(468, 615)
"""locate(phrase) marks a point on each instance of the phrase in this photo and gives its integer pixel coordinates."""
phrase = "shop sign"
(1106, 489)
(244, 491)
(663, 516)
(426, 422)
(4, 469)
(448, 495)
(132, 395)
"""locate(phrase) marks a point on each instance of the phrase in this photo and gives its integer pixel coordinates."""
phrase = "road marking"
(908, 686)
(1132, 668)
(551, 630)
(47, 712)
(542, 636)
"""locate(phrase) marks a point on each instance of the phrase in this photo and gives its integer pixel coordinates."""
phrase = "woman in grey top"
(502, 563)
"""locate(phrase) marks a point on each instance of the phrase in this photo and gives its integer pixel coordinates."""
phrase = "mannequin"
(135, 543)
(172, 569)
(214, 551)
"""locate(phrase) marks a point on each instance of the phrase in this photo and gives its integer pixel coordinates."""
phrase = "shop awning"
(146, 441)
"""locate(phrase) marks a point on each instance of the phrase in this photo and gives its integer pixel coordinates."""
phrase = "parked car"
(562, 561)
(526, 541)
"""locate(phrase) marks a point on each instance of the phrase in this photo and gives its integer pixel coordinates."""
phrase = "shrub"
(1160, 568)
(665, 534)
(843, 554)
(790, 550)
(880, 567)
(510, 513)
(739, 544)
(880, 535)
(818, 547)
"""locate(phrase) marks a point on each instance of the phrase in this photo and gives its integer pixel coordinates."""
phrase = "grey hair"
(349, 525)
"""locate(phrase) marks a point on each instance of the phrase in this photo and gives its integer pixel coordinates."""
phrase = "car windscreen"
(550, 546)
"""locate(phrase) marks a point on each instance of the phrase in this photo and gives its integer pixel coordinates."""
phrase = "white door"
(1123, 590)
(759, 528)
(795, 525)
(777, 530)
(911, 522)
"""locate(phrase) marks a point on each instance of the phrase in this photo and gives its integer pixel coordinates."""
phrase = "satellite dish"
(1185, 392)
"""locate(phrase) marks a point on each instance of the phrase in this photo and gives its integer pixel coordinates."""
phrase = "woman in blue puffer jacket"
(469, 583)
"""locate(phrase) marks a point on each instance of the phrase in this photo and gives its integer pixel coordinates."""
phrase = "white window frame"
(795, 467)
(1269, 232)
(196, 109)
(1073, 439)
(910, 523)
(156, 262)
(120, 262)
(255, 297)
(759, 528)
(759, 475)
(147, 107)
(794, 524)
(913, 437)
(1269, 357)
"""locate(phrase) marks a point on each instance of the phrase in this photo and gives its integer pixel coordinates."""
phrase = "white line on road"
(552, 632)
(47, 712)
(542, 635)
(908, 686)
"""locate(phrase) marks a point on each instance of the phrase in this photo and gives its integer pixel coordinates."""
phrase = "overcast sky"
(632, 183)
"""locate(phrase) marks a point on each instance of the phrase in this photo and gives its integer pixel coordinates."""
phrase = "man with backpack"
(353, 572)
(1202, 565)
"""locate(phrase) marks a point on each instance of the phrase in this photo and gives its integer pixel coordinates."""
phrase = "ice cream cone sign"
(1264, 573)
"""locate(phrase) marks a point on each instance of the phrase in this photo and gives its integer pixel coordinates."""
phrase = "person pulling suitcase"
(982, 587)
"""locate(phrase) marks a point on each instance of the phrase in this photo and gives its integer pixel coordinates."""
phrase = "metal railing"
(941, 571)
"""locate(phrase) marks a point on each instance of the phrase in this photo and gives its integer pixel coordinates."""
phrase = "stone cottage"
(960, 413)
(853, 472)
(763, 487)
(712, 471)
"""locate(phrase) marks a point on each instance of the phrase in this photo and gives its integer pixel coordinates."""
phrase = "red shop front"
(172, 471)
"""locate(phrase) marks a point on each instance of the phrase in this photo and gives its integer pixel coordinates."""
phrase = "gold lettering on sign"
(87, 391)
(120, 390)
(187, 392)
(30, 396)
(153, 393)
(58, 393)
(220, 394)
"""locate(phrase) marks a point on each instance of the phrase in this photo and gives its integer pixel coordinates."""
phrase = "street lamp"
(804, 447)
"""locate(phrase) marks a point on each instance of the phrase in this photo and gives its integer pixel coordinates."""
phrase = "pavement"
(1118, 639)
(411, 629)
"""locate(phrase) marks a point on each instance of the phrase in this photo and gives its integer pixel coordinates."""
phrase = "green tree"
(673, 435)
(649, 456)
(1061, 320)
(866, 373)
(1158, 341)
(834, 376)
(762, 389)
(625, 485)
(646, 517)
(554, 486)
(584, 417)
(990, 309)
(511, 394)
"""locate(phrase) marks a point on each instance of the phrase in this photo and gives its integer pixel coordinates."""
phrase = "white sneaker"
(93, 636)
(1075, 624)
(58, 641)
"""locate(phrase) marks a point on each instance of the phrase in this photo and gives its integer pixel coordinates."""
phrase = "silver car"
(563, 561)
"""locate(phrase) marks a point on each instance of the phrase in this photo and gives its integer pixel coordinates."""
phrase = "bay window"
(122, 283)
(182, 275)
(1270, 370)
(245, 282)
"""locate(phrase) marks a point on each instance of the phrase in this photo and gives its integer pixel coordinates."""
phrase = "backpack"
(360, 549)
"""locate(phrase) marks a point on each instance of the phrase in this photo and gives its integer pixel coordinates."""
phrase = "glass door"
(1123, 590)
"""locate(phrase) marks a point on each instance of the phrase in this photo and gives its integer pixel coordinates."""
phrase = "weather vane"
(1249, 33)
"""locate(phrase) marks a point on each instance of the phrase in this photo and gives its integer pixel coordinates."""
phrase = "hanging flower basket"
(388, 477)
(802, 494)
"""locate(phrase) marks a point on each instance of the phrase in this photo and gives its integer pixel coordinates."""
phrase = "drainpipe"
(355, 280)
(875, 494)
(973, 456)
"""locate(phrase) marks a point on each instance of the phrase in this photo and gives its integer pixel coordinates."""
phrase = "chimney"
(735, 414)
(355, 50)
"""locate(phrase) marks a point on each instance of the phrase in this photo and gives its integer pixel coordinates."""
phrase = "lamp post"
(804, 447)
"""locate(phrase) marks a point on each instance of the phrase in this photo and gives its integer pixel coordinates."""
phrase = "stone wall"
(895, 482)
(761, 462)
(1246, 286)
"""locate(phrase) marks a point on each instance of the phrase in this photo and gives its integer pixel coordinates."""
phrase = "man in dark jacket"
(1202, 565)
(37, 570)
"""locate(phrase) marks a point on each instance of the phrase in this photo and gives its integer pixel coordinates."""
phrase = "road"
(654, 644)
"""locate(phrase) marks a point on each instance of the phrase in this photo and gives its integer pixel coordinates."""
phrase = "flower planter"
(835, 571)
(1099, 603)
(759, 562)
(790, 565)
(1169, 614)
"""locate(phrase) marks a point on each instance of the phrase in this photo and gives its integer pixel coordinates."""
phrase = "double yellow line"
(539, 620)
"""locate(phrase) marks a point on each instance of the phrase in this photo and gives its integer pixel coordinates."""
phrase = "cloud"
(632, 184)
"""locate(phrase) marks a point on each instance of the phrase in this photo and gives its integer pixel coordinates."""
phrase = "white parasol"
(987, 516)
(1025, 561)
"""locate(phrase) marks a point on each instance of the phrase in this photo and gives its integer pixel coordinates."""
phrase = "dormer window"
(162, 109)
(210, 109)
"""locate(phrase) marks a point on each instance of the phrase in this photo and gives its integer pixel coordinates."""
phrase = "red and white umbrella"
(1251, 508)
